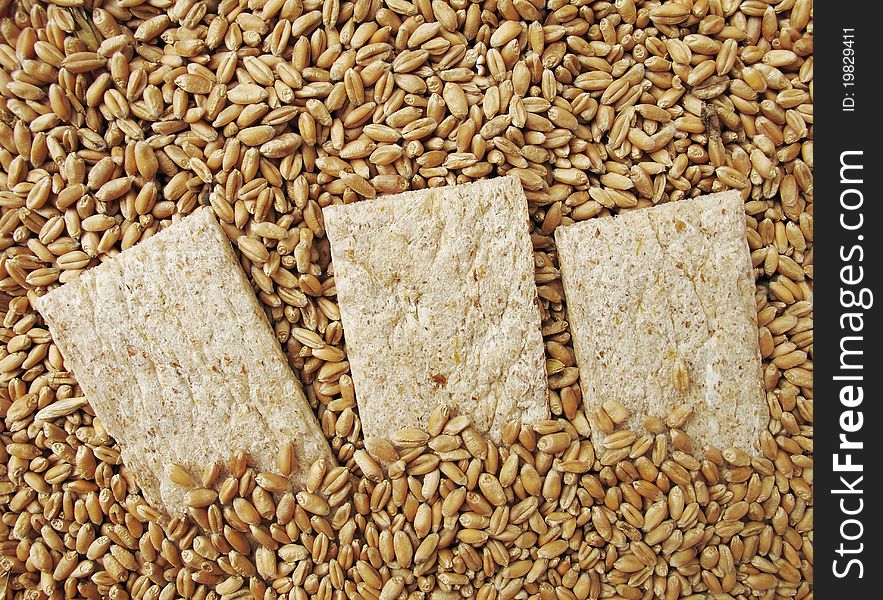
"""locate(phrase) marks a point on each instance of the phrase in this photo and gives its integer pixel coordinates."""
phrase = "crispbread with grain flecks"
(177, 359)
(439, 306)
(661, 308)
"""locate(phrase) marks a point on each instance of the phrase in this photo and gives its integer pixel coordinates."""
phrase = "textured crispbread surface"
(653, 286)
(438, 305)
(176, 357)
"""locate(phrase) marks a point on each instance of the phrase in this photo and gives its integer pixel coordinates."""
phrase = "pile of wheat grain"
(117, 117)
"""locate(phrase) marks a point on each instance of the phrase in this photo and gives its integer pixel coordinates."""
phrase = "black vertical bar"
(846, 109)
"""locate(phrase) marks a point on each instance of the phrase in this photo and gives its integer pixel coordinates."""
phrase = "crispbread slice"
(176, 357)
(438, 305)
(668, 290)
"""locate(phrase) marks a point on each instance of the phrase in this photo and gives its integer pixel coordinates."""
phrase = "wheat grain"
(120, 119)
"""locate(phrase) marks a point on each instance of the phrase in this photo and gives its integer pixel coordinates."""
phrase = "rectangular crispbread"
(439, 305)
(176, 357)
(665, 292)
